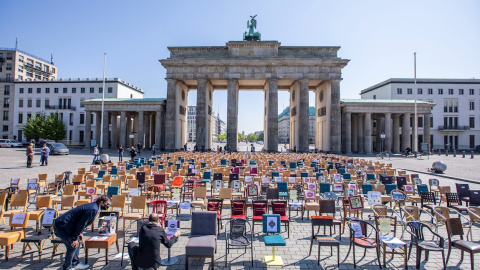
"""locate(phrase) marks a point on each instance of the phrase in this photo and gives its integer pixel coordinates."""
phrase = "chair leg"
(419, 254)
(378, 257)
(449, 251)
(186, 262)
(338, 255)
(443, 260)
(311, 244)
(318, 258)
(409, 251)
(472, 261)
(354, 262)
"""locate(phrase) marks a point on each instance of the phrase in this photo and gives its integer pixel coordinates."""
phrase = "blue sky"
(379, 37)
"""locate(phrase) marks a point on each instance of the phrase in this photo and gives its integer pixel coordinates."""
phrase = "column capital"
(303, 80)
(171, 79)
(202, 79)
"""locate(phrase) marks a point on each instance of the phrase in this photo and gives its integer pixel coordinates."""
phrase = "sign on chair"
(252, 191)
(312, 186)
(278, 179)
(309, 194)
(306, 180)
(133, 192)
(408, 188)
(337, 178)
(356, 202)
(15, 181)
(272, 226)
(337, 187)
(172, 226)
(265, 180)
(248, 179)
(374, 197)
(90, 191)
(291, 180)
(18, 218)
(48, 216)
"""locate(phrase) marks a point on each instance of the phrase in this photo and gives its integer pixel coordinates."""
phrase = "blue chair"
(304, 174)
(313, 164)
(389, 188)
(223, 162)
(293, 166)
(129, 166)
(342, 171)
(207, 176)
(270, 162)
(178, 166)
(169, 158)
(422, 188)
(273, 238)
(282, 189)
(366, 188)
(371, 176)
(275, 174)
(324, 187)
(170, 163)
(347, 176)
(100, 175)
(113, 190)
(203, 164)
(114, 171)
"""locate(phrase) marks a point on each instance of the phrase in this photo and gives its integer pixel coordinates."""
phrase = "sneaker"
(82, 266)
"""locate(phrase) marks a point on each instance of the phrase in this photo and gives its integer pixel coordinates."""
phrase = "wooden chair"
(42, 181)
(67, 203)
(199, 197)
(105, 183)
(43, 202)
(119, 201)
(16, 201)
(8, 238)
(138, 203)
(454, 227)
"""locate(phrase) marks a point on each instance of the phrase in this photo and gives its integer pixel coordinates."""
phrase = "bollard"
(471, 155)
(446, 153)
(463, 154)
(455, 153)
(439, 152)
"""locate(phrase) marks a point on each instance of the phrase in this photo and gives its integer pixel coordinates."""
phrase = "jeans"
(44, 160)
(95, 157)
(132, 253)
(120, 156)
(71, 256)
(29, 161)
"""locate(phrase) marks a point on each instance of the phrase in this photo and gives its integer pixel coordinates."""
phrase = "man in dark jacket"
(69, 227)
(146, 253)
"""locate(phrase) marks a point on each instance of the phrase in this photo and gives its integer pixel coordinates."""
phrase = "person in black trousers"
(146, 253)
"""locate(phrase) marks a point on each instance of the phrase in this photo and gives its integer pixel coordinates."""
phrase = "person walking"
(30, 154)
(69, 227)
(139, 148)
(45, 152)
(120, 153)
(133, 153)
(185, 147)
(154, 149)
(96, 154)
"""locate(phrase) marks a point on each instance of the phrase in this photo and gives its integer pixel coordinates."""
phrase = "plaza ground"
(295, 254)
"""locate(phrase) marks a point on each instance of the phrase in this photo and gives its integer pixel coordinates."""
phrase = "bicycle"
(383, 155)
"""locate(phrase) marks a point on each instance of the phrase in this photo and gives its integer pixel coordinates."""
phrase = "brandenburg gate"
(255, 65)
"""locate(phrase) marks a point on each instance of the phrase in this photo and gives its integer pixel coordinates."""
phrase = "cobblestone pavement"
(295, 254)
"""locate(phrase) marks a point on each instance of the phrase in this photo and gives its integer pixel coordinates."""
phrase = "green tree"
(241, 137)
(251, 137)
(44, 126)
(260, 136)
(221, 136)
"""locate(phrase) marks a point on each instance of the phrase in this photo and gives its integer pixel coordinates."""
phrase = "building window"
(450, 91)
(29, 103)
(55, 90)
(47, 103)
(92, 90)
(6, 90)
(39, 90)
(82, 90)
(9, 56)
(20, 103)
(81, 104)
(74, 90)
(20, 90)
(100, 90)
(82, 119)
(65, 90)
(5, 115)
(81, 136)
(460, 91)
(47, 90)
(472, 105)
(472, 121)
(420, 122)
(9, 66)
(110, 90)
(6, 103)
(20, 58)
(440, 91)
(374, 96)
(472, 141)
(399, 91)
(29, 116)
(30, 90)
(20, 77)
(29, 74)
(5, 127)
(39, 103)
(20, 118)
(71, 119)
(471, 91)
(409, 91)
(420, 91)
(431, 124)
(53, 70)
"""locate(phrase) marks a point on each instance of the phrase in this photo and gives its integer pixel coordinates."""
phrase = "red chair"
(280, 207)
(160, 208)
(159, 183)
(253, 171)
(239, 209)
(236, 170)
(259, 209)
(216, 205)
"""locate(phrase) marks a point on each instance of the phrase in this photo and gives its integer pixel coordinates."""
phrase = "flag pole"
(415, 120)
(103, 100)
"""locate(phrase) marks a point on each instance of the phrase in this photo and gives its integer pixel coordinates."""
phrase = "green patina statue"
(251, 35)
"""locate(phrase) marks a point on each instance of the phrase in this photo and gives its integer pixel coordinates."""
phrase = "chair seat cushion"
(199, 203)
(203, 245)
(274, 240)
(36, 238)
(257, 217)
(283, 194)
(238, 216)
(34, 215)
(133, 216)
(365, 242)
(466, 245)
(283, 218)
(11, 237)
(430, 245)
(324, 240)
(10, 212)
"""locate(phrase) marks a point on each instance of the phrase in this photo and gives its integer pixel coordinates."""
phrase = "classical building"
(284, 125)
(218, 125)
(455, 121)
(257, 65)
(65, 96)
(17, 66)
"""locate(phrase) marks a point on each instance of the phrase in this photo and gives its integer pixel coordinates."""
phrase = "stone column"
(232, 115)
(335, 117)
(303, 115)
(426, 129)
(272, 116)
(378, 132)
(171, 113)
(406, 131)
(158, 129)
(123, 129)
(105, 130)
(348, 133)
(113, 138)
(396, 134)
(98, 120)
(201, 119)
(354, 133)
(368, 133)
(88, 128)
(141, 128)
(360, 138)
(388, 132)
(129, 129)
(147, 131)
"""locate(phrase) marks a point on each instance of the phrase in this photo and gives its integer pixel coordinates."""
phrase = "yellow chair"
(42, 202)
(53, 187)
(119, 201)
(67, 203)
(105, 183)
(88, 184)
(67, 190)
(138, 203)
(15, 182)
(42, 181)
(16, 201)
(7, 239)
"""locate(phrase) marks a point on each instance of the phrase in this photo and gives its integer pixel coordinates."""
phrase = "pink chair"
(160, 208)
(253, 171)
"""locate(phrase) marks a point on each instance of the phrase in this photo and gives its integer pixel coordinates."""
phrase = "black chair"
(454, 202)
(233, 177)
(415, 229)
(39, 239)
(273, 194)
(237, 236)
(361, 236)
(428, 200)
(454, 227)
(401, 181)
(324, 240)
(474, 198)
(141, 179)
(217, 176)
(385, 179)
(203, 237)
(463, 192)
(139, 222)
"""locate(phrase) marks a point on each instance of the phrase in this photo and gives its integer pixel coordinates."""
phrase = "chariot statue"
(251, 35)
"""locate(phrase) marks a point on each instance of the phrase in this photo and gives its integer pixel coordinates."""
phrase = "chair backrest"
(159, 207)
(200, 192)
(138, 203)
(321, 221)
(428, 197)
(67, 201)
(462, 190)
(119, 201)
(475, 197)
(454, 227)
(177, 181)
(19, 220)
(327, 207)
(282, 186)
(19, 200)
(273, 194)
(69, 189)
(452, 199)
(260, 207)
(279, 207)
(413, 213)
(44, 202)
(141, 177)
(271, 223)
(422, 188)
(49, 215)
(204, 223)
(113, 190)
(42, 177)
(14, 182)
(389, 188)
(239, 207)
(401, 181)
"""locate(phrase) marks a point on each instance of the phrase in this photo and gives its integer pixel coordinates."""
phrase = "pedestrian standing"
(120, 153)
(96, 154)
(69, 227)
(133, 153)
(139, 148)
(154, 149)
(30, 154)
(185, 147)
(45, 152)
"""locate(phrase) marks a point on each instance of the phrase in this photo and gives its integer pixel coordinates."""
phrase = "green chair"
(273, 238)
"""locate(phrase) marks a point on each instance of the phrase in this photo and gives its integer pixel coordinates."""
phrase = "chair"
(273, 238)
(217, 206)
(428, 200)
(360, 236)
(463, 192)
(42, 181)
(454, 202)
(199, 197)
(417, 235)
(42, 202)
(113, 190)
(16, 201)
(119, 201)
(138, 203)
(387, 230)
(237, 236)
(47, 218)
(203, 237)
(454, 227)
(280, 208)
(323, 240)
(239, 209)
(310, 202)
(160, 208)
(328, 207)
(282, 189)
(260, 208)
(474, 199)
(90, 243)
(8, 238)
(67, 202)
